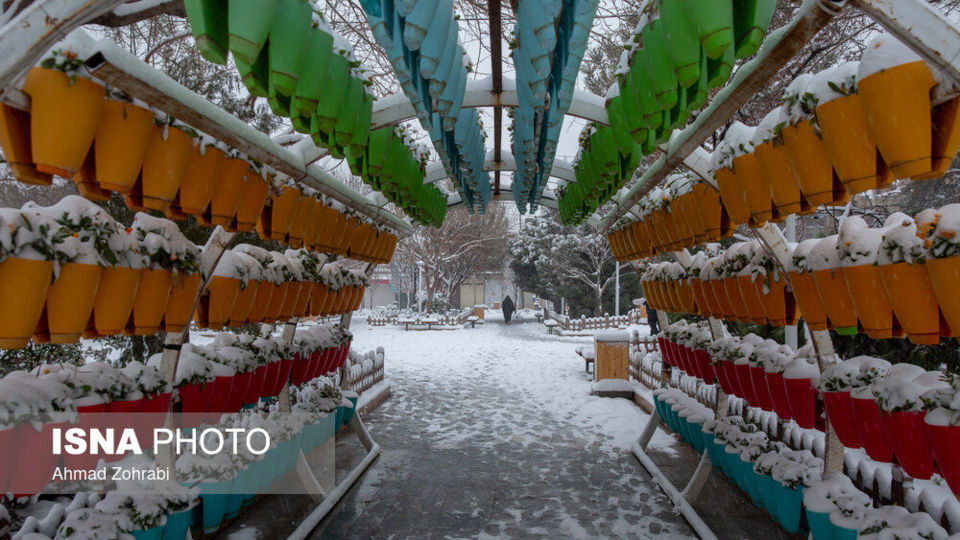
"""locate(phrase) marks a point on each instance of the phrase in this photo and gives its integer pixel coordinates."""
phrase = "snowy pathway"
(492, 432)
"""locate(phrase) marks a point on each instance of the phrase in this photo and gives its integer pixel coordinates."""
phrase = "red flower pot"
(840, 411)
(153, 416)
(238, 393)
(758, 377)
(744, 384)
(33, 461)
(124, 414)
(316, 364)
(945, 441)
(803, 401)
(691, 361)
(283, 375)
(91, 417)
(8, 447)
(256, 385)
(126, 405)
(299, 371)
(912, 444)
(344, 350)
(662, 344)
(193, 398)
(270, 380)
(705, 364)
(723, 369)
(874, 429)
(776, 387)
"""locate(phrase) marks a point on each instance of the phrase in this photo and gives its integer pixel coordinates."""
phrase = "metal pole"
(616, 298)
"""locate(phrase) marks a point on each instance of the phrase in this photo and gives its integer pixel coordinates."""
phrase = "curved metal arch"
(561, 168)
(396, 108)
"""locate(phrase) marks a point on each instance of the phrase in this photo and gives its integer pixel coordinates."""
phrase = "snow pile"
(27, 398)
(735, 143)
(940, 232)
(886, 51)
(167, 248)
(267, 270)
(832, 83)
(824, 255)
(857, 243)
(769, 128)
(852, 374)
(800, 258)
(901, 242)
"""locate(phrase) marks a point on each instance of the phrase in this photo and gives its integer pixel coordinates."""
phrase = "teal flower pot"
(751, 483)
(213, 505)
(208, 22)
(155, 533)
(178, 524)
(820, 526)
(339, 421)
(715, 450)
(731, 462)
(696, 433)
(768, 489)
(239, 492)
(312, 433)
(843, 533)
(329, 427)
(789, 507)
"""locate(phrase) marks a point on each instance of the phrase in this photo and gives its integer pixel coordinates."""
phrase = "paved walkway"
(492, 432)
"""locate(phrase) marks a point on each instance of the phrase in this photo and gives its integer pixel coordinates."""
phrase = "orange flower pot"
(114, 301)
(751, 300)
(897, 105)
(778, 304)
(86, 181)
(226, 199)
(303, 300)
(687, 299)
(361, 240)
(276, 303)
(318, 298)
(700, 297)
(23, 293)
(153, 293)
(184, 290)
(913, 300)
(835, 298)
(164, 166)
(358, 298)
(873, 309)
(331, 303)
(673, 298)
(715, 219)
(942, 271)
(659, 224)
(640, 238)
(808, 300)
(732, 287)
(726, 305)
(261, 303)
(946, 138)
(200, 181)
(15, 143)
(757, 191)
(774, 160)
(690, 214)
(243, 304)
(325, 237)
(733, 196)
(121, 143)
(275, 221)
(811, 164)
(290, 300)
(349, 230)
(678, 219)
(218, 302)
(253, 199)
(70, 302)
(849, 142)
(63, 119)
(321, 220)
(298, 229)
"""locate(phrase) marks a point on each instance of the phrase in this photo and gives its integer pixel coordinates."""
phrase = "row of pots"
(784, 504)
(739, 298)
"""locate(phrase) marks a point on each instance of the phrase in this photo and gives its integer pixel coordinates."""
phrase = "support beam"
(496, 63)
(561, 169)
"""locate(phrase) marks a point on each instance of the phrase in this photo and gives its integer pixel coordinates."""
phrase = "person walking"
(508, 309)
(652, 320)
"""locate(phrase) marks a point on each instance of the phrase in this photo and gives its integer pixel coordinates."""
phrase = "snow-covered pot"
(750, 481)
(184, 289)
(705, 365)
(277, 300)
(874, 428)
(758, 379)
(805, 288)
(907, 282)
(737, 304)
(811, 164)
(840, 411)
(751, 299)
(214, 309)
(858, 247)
(894, 84)
(912, 444)
(151, 301)
(800, 385)
(213, 505)
(230, 190)
(945, 441)
(24, 280)
(70, 302)
(757, 189)
(943, 263)
(744, 383)
(164, 165)
(200, 179)
(777, 387)
(824, 260)
(774, 160)
(283, 373)
(178, 523)
(64, 115)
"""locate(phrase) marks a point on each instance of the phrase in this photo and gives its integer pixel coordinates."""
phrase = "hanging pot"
(808, 300)
(897, 105)
(303, 299)
(683, 41)
(200, 180)
(243, 304)
(226, 198)
(252, 202)
(164, 166)
(945, 440)
(944, 274)
(208, 22)
(122, 138)
(183, 297)
(758, 377)
(739, 307)
(913, 300)
(849, 143)
(873, 309)
(946, 138)
(751, 299)
(778, 305)
(114, 301)
(751, 19)
(256, 75)
(803, 401)
(153, 293)
(874, 429)
(289, 37)
(318, 298)
(63, 119)
(911, 443)
(757, 191)
(744, 384)
(713, 20)
(86, 180)
(312, 76)
(778, 394)
(15, 143)
(218, 303)
(249, 24)
(290, 300)
(835, 298)
(70, 302)
(840, 411)
(298, 228)
(276, 303)
(23, 293)
(811, 164)
(276, 220)
(774, 160)
(733, 195)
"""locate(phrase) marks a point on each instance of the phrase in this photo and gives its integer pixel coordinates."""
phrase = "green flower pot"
(279, 103)
(208, 22)
(718, 70)
(377, 146)
(699, 92)
(249, 24)
(619, 122)
(751, 19)
(256, 76)
(641, 85)
(361, 135)
(659, 65)
(289, 38)
(334, 92)
(713, 21)
(683, 43)
(347, 121)
(313, 73)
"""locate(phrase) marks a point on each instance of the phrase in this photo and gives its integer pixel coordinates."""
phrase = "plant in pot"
(192, 383)
(94, 523)
(774, 294)
(164, 165)
(801, 378)
(221, 388)
(828, 272)
(858, 247)
(156, 391)
(121, 142)
(251, 275)
(938, 229)
(805, 287)
(830, 499)
(217, 303)
(943, 425)
(837, 382)
(243, 361)
(898, 522)
(774, 161)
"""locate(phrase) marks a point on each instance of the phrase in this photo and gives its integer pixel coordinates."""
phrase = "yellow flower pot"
(943, 276)
(810, 162)
(732, 287)
(774, 160)
(808, 300)
(184, 290)
(849, 142)
(300, 309)
(361, 240)
(290, 300)
(261, 302)
(200, 181)
(298, 228)
(716, 221)
(153, 293)
(835, 298)
(114, 301)
(913, 300)
(873, 309)
(226, 198)
(164, 166)
(275, 221)
(23, 293)
(217, 304)
(318, 298)
(690, 215)
(86, 181)
(63, 119)
(15, 143)
(751, 300)
(723, 301)
(946, 138)
(252, 201)
(276, 303)
(733, 195)
(349, 230)
(243, 304)
(777, 303)
(687, 298)
(897, 104)
(121, 143)
(679, 222)
(757, 191)
(70, 302)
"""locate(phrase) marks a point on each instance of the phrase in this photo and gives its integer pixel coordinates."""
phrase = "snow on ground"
(493, 431)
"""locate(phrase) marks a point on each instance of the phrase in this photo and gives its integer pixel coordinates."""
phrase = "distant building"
(380, 292)
(490, 288)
